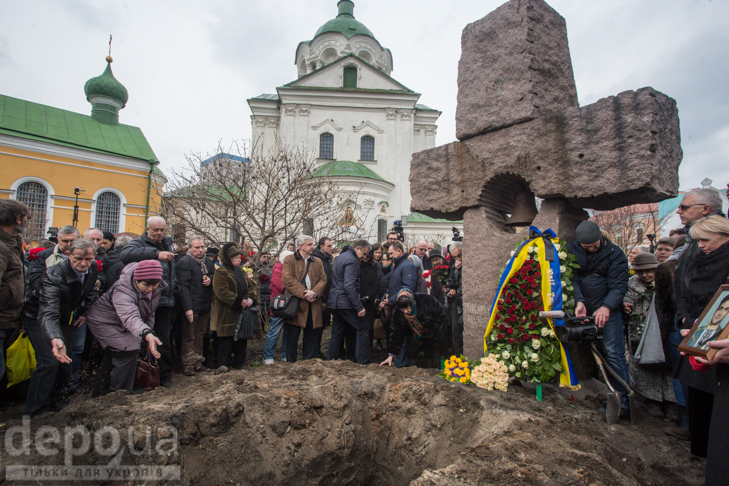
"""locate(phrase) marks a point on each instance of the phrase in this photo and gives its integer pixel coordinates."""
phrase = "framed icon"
(710, 326)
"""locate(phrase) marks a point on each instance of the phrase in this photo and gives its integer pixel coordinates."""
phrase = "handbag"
(649, 353)
(379, 330)
(147, 375)
(285, 306)
(245, 326)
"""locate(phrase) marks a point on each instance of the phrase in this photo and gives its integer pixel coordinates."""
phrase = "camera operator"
(600, 283)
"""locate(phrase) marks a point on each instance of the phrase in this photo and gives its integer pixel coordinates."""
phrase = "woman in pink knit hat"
(122, 319)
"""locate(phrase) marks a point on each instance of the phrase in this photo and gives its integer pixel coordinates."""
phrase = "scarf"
(201, 262)
(411, 316)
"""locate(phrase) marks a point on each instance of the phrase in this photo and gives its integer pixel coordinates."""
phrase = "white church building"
(361, 123)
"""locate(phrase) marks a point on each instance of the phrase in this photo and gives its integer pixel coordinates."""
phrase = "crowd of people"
(100, 301)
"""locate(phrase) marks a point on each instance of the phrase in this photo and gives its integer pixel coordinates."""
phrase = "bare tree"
(265, 200)
(627, 226)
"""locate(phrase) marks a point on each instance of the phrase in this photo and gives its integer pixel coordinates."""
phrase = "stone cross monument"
(520, 127)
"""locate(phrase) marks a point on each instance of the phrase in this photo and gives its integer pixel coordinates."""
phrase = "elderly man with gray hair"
(154, 245)
(50, 316)
(52, 256)
(304, 276)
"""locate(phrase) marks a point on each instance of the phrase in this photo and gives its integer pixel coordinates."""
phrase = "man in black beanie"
(600, 285)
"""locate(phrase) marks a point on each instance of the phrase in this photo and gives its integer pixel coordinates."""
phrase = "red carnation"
(533, 317)
(537, 274)
(514, 280)
(511, 341)
(508, 301)
(521, 328)
(513, 308)
(527, 306)
(512, 318)
(501, 301)
(535, 336)
(33, 253)
(541, 308)
(510, 330)
(500, 307)
(523, 286)
(500, 337)
(99, 265)
(532, 326)
(429, 283)
(523, 320)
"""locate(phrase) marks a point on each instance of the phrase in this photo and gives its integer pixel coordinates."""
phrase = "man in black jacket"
(52, 312)
(345, 304)
(194, 276)
(600, 285)
(51, 256)
(154, 245)
(323, 252)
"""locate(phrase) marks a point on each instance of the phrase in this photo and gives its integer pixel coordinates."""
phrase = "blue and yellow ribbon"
(551, 291)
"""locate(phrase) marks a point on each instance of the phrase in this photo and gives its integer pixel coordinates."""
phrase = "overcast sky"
(189, 66)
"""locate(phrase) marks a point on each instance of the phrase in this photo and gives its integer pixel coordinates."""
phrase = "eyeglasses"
(684, 208)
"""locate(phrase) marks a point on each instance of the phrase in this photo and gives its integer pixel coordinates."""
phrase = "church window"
(35, 196)
(350, 77)
(348, 219)
(381, 229)
(367, 148)
(108, 207)
(326, 146)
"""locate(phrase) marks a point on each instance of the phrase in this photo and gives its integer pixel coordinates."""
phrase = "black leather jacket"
(58, 294)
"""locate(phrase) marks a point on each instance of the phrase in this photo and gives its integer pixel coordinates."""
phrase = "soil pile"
(339, 423)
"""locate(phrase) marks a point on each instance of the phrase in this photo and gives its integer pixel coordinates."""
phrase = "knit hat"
(645, 261)
(148, 270)
(588, 232)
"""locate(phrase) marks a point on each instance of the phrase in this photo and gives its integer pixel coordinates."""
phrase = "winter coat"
(717, 466)
(370, 276)
(58, 295)
(276, 282)
(112, 268)
(665, 299)
(12, 280)
(226, 304)
(455, 282)
(143, 248)
(193, 295)
(429, 313)
(602, 277)
(640, 295)
(326, 261)
(698, 277)
(403, 275)
(294, 271)
(121, 316)
(344, 292)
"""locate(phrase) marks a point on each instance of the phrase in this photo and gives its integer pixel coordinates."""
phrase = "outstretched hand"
(152, 343)
(387, 362)
(59, 351)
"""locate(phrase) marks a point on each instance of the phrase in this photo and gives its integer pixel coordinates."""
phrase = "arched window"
(108, 207)
(326, 146)
(367, 148)
(35, 196)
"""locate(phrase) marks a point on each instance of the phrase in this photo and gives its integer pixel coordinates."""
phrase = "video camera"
(576, 329)
(53, 234)
(397, 228)
(456, 234)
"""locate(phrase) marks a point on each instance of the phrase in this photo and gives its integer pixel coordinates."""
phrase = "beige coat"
(293, 273)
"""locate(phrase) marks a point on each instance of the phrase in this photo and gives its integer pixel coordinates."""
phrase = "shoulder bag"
(286, 306)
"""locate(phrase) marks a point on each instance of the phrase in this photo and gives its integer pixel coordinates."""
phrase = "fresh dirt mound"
(339, 423)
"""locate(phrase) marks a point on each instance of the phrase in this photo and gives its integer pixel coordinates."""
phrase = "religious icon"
(710, 326)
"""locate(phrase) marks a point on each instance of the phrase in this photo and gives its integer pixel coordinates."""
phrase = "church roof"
(405, 89)
(33, 121)
(345, 22)
(346, 168)
(107, 85)
(421, 218)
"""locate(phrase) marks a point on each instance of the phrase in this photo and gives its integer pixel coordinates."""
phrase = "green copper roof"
(421, 218)
(346, 168)
(345, 22)
(265, 96)
(106, 85)
(20, 118)
(421, 107)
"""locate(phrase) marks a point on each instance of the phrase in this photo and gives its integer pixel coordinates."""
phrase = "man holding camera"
(345, 304)
(600, 285)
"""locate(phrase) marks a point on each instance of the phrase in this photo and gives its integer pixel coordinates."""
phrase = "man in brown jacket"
(303, 276)
(14, 217)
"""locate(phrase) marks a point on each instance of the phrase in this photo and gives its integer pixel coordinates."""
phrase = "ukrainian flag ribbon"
(551, 291)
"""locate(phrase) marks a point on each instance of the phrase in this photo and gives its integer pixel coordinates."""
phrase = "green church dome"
(106, 85)
(345, 22)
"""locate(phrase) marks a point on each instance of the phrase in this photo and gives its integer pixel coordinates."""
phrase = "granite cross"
(519, 125)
